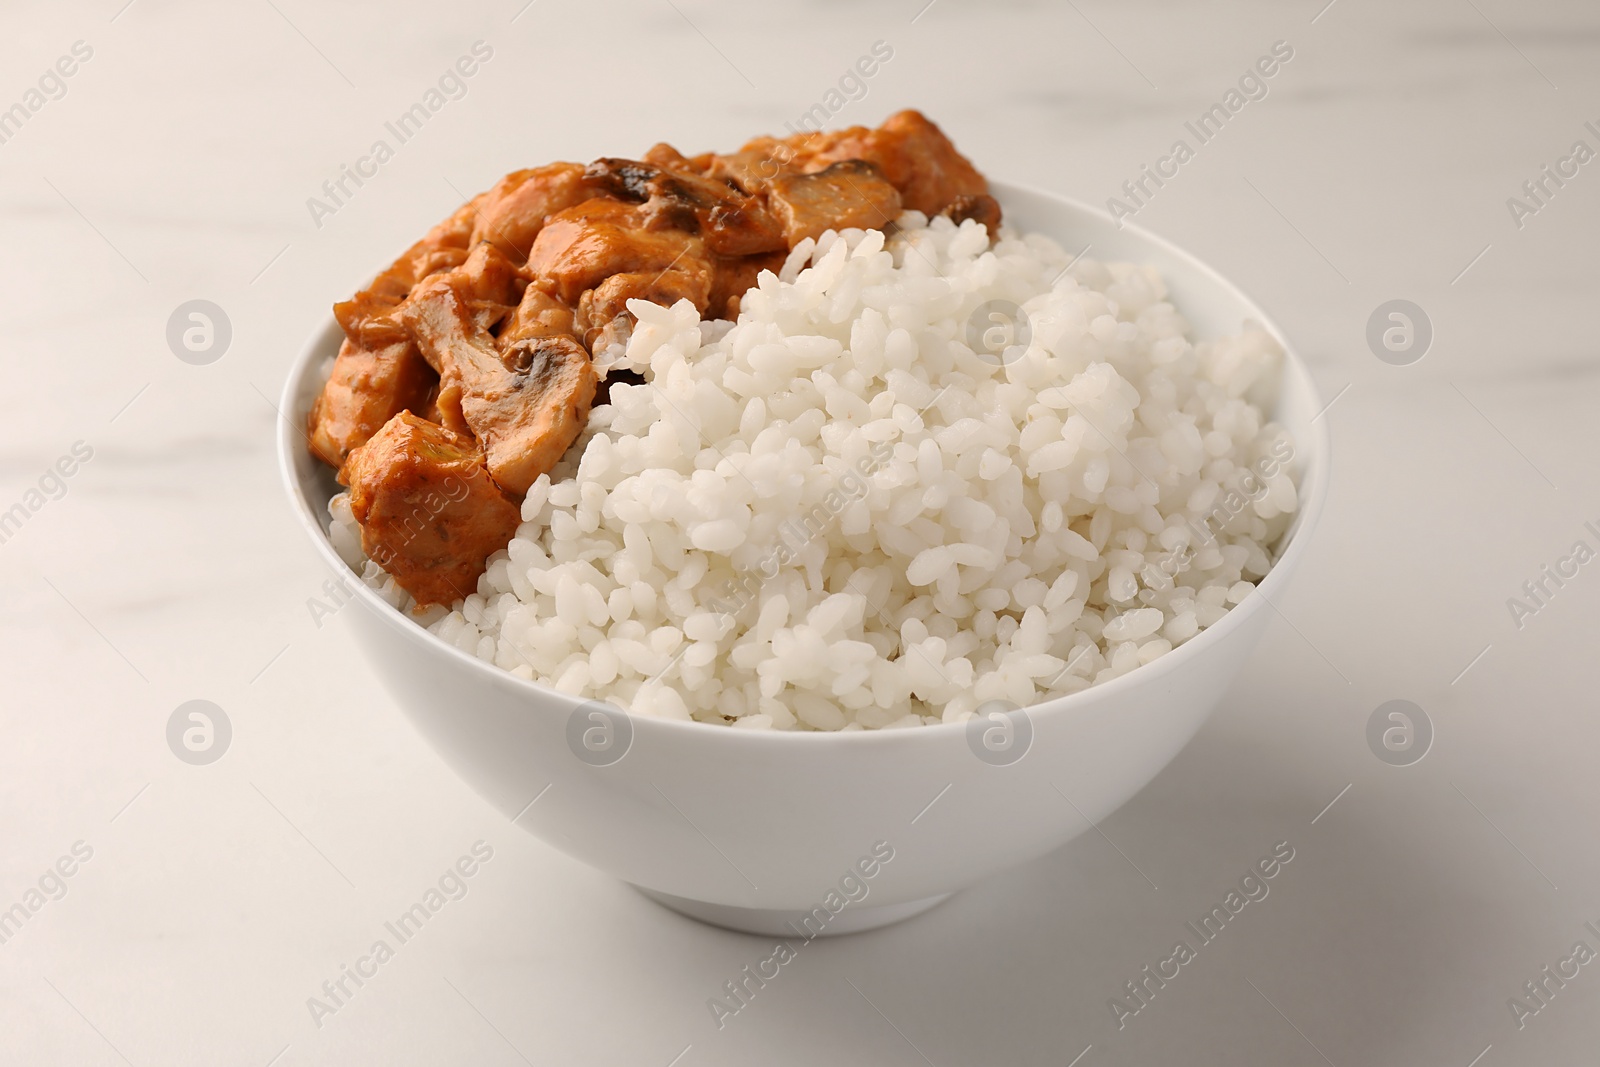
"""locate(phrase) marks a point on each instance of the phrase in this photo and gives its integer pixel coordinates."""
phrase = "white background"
(218, 898)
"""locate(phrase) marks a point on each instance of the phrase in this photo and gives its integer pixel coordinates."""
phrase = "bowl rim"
(1313, 495)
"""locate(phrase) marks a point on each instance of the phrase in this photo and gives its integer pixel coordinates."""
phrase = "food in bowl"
(486, 326)
(932, 463)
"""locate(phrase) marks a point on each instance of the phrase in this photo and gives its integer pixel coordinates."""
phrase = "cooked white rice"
(834, 515)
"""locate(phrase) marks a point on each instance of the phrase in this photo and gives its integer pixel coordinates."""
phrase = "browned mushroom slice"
(490, 286)
(913, 153)
(848, 194)
(982, 207)
(732, 222)
(429, 514)
(367, 388)
(525, 408)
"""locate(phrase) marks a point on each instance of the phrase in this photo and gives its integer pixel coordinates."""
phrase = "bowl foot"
(779, 923)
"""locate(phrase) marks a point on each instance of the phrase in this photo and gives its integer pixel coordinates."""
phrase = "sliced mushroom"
(526, 406)
(982, 207)
(850, 193)
(732, 222)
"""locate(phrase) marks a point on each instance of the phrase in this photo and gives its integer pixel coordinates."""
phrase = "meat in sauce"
(428, 511)
(466, 371)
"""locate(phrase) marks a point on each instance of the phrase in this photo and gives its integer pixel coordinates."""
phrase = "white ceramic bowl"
(753, 830)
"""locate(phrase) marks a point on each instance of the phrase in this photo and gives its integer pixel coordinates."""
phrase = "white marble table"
(177, 165)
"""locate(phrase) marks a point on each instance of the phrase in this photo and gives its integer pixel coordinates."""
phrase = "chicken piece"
(848, 193)
(603, 318)
(583, 246)
(525, 407)
(429, 514)
(538, 315)
(753, 166)
(735, 277)
(982, 207)
(919, 160)
(913, 154)
(515, 209)
(379, 372)
(369, 318)
(367, 388)
(490, 283)
(764, 158)
(662, 154)
(732, 222)
(489, 277)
